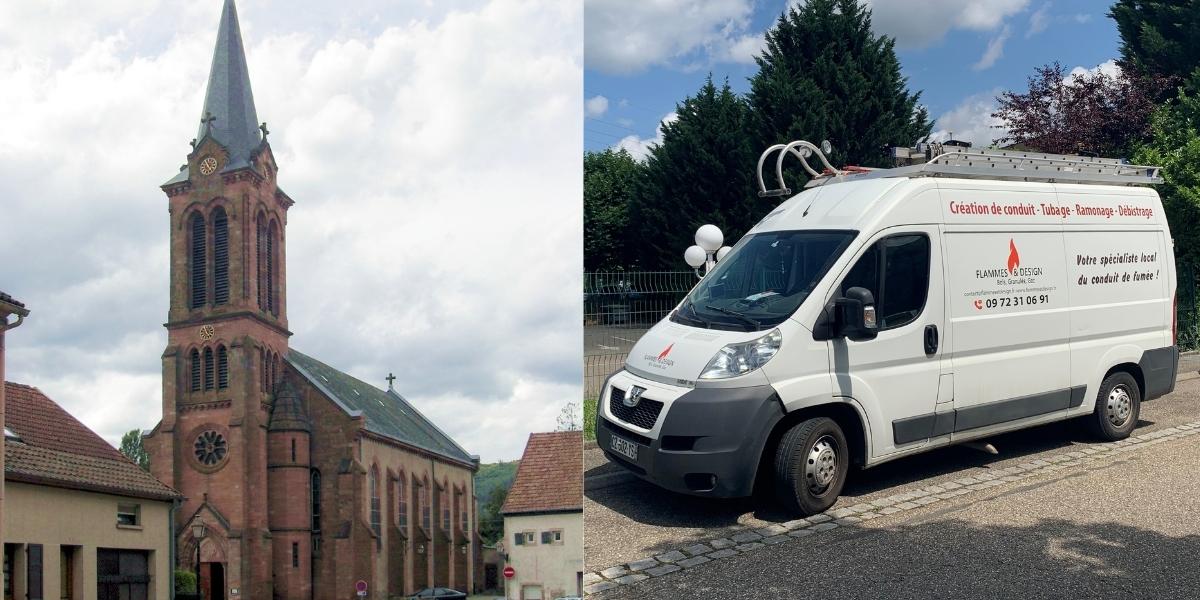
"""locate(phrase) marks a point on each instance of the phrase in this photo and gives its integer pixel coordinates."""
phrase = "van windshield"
(763, 280)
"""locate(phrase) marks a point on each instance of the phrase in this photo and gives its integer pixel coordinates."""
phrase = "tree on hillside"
(825, 76)
(491, 522)
(131, 447)
(1158, 39)
(608, 183)
(702, 172)
(1082, 113)
(1175, 146)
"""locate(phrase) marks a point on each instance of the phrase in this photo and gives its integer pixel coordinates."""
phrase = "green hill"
(492, 477)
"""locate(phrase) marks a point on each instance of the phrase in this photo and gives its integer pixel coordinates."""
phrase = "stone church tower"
(249, 426)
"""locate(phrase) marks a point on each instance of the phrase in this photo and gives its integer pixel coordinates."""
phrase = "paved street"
(1053, 515)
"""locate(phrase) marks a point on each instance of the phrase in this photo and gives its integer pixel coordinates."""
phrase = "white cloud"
(595, 106)
(993, 52)
(628, 36)
(1039, 20)
(971, 120)
(924, 23)
(1108, 67)
(638, 146)
(429, 152)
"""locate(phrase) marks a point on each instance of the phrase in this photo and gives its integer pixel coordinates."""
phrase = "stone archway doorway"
(212, 580)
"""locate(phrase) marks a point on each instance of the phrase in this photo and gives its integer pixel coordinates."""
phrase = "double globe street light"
(707, 251)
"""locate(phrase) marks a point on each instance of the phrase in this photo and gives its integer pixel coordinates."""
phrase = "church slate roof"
(550, 476)
(287, 414)
(228, 97)
(387, 413)
(53, 448)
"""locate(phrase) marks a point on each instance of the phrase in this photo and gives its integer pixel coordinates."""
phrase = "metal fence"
(618, 307)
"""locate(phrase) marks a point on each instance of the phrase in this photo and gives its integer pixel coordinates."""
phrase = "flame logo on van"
(1014, 259)
(666, 352)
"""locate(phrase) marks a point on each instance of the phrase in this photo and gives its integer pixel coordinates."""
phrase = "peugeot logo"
(632, 396)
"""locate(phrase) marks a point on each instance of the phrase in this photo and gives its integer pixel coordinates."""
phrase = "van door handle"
(931, 340)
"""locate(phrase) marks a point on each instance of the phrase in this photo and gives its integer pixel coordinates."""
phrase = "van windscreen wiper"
(696, 318)
(734, 313)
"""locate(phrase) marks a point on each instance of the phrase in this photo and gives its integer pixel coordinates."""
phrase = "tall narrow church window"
(222, 367)
(260, 260)
(445, 509)
(465, 523)
(375, 500)
(293, 449)
(272, 242)
(426, 500)
(295, 555)
(208, 369)
(199, 270)
(220, 257)
(194, 365)
(402, 504)
(315, 480)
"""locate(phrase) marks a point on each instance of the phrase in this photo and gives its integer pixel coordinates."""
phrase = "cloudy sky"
(432, 149)
(644, 57)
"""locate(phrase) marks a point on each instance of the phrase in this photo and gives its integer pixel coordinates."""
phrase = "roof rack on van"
(944, 160)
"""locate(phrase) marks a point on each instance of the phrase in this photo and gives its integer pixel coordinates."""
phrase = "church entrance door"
(212, 581)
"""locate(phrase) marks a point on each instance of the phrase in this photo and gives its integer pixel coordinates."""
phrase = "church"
(299, 481)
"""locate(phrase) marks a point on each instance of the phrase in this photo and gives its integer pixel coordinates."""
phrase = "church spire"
(228, 114)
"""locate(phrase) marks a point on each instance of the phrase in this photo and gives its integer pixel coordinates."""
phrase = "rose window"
(210, 448)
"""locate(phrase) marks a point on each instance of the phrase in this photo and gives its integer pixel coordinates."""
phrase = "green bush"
(589, 418)
(185, 581)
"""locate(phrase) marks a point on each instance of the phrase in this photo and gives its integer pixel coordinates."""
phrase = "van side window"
(896, 271)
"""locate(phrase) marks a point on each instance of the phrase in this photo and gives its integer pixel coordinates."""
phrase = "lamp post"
(707, 251)
(198, 533)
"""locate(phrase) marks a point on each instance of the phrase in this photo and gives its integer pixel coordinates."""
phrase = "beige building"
(80, 520)
(543, 519)
(9, 307)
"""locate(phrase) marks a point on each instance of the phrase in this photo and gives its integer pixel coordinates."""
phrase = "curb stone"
(697, 554)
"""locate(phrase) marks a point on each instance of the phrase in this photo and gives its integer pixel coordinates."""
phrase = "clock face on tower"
(208, 165)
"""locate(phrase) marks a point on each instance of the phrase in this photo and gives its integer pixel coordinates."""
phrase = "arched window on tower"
(222, 368)
(208, 369)
(198, 279)
(374, 483)
(272, 268)
(402, 503)
(194, 365)
(220, 257)
(260, 258)
(315, 481)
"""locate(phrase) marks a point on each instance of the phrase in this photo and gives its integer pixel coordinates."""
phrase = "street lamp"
(198, 533)
(707, 251)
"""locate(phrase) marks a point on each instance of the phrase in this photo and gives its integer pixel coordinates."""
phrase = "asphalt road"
(1118, 530)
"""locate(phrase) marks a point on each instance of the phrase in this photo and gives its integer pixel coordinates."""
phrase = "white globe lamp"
(695, 256)
(722, 252)
(709, 238)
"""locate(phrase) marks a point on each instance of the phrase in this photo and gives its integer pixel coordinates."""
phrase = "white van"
(884, 313)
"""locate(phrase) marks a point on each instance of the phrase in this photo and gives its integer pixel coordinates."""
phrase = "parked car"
(439, 594)
(879, 315)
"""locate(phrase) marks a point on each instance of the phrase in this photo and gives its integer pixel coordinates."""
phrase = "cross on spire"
(264, 129)
(207, 121)
(390, 379)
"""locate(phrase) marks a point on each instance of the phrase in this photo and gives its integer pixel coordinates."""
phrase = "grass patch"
(589, 419)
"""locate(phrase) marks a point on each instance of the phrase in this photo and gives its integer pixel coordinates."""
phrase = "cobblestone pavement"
(682, 540)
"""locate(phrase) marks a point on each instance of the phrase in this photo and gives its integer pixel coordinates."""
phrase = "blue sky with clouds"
(641, 58)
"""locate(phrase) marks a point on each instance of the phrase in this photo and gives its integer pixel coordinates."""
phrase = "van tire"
(811, 463)
(1118, 405)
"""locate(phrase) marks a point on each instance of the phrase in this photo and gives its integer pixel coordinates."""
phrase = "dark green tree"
(702, 172)
(825, 76)
(608, 184)
(131, 447)
(491, 522)
(1158, 38)
(1175, 146)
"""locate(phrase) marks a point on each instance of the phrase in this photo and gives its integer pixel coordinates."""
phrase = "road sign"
(360, 586)
(509, 572)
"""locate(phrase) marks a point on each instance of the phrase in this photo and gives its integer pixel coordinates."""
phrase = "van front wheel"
(811, 462)
(1117, 407)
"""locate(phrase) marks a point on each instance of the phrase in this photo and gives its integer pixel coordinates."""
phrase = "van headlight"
(739, 359)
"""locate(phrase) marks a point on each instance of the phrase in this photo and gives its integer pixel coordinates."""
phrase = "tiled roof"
(20, 306)
(387, 413)
(54, 448)
(550, 476)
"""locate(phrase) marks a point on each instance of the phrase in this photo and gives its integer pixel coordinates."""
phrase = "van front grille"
(644, 415)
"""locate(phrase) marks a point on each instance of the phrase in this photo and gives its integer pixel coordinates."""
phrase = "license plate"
(623, 447)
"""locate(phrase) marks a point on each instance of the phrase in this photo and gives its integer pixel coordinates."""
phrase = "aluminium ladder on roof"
(960, 162)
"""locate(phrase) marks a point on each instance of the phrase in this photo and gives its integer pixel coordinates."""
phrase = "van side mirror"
(855, 316)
